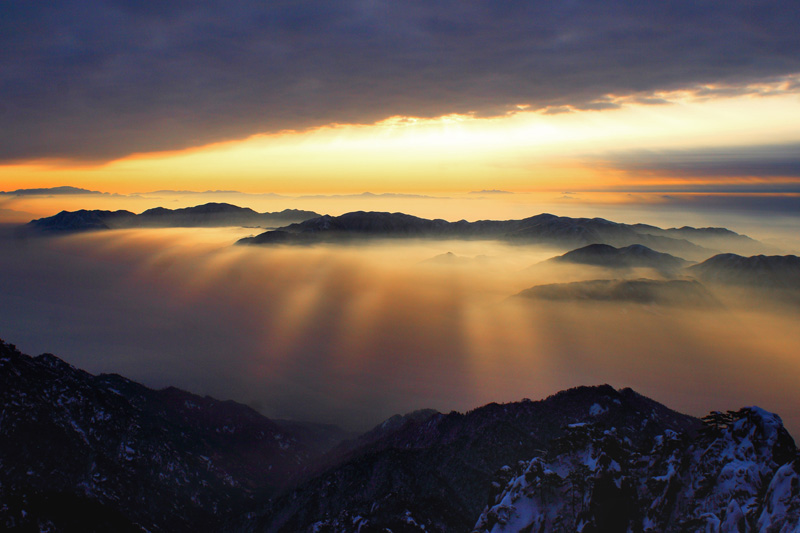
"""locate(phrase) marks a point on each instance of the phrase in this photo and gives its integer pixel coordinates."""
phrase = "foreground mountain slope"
(164, 460)
(436, 473)
(741, 473)
(102, 453)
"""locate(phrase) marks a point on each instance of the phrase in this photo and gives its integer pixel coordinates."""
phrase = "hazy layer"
(770, 219)
(353, 334)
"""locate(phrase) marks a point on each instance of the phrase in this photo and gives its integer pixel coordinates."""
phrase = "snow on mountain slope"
(740, 474)
(163, 460)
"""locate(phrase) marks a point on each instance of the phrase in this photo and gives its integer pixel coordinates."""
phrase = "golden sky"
(521, 152)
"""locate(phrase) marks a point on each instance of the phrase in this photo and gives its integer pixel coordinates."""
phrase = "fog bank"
(353, 334)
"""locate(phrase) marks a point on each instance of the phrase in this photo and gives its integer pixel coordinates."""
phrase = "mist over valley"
(391, 319)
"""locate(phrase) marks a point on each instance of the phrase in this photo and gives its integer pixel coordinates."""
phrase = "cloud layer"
(717, 163)
(99, 80)
(355, 334)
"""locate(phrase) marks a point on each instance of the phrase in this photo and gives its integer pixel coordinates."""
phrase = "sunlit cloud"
(100, 81)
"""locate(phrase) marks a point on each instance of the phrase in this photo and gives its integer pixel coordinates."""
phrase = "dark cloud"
(761, 187)
(557, 110)
(644, 100)
(757, 161)
(96, 80)
(597, 106)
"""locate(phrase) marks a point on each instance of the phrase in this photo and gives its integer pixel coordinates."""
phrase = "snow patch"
(597, 410)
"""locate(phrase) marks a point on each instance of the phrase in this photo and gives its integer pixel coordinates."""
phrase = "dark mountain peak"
(370, 222)
(356, 224)
(60, 190)
(640, 291)
(398, 420)
(383, 431)
(709, 230)
(711, 237)
(157, 211)
(637, 249)
(543, 228)
(215, 214)
(725, 260)
(589, 254)
(604, 222)
(296, 213)
(598, 249)
(585, 392)
(755, 261)
(451, 259)
(212, 214)
(216, 207)
(631, 256)
(543, 217)
(776, 271)
(81, 220)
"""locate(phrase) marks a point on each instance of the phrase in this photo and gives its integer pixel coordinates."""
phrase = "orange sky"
(523, 152)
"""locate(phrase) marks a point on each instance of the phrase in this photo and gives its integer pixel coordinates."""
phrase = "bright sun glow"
(525, 151)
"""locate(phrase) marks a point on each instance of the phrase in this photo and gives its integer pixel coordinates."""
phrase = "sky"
(668, 98)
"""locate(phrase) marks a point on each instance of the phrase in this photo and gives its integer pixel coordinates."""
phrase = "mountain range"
(625, 258)
(206, 215)
(778, 275)
(80, 452)
(601, 243)
(778, 272)
(635, 243)
(542, 229)
(675, 292)
(50, 191)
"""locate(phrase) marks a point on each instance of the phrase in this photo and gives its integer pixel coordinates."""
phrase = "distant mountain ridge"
(717, 238)
(683, 293)
(207, 215)
(82, 220)
(62, 190)
(778, 275)
(633, 256)
(544, 228)
(306, 227)
(776, 271)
